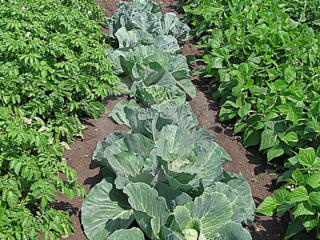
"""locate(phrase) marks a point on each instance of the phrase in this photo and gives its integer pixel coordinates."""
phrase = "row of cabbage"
(263, 59)
(164, 178)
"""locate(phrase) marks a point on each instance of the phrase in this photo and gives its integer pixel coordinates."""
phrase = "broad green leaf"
(299, 194)
(226, 113)
(98, 154)
(314, 199)
(281, 196)
(310, 222)
(214, 211)
(307, 156)
(243, 111)
(274, 152)
(104, 211)
(183, 217)
(268, 206)
(127, 155)
(303, 208)
(163, 95)
(251, 137)
(168, 234)
(238, 192)
(172, 196)
(314, 180)
(233, 231)
(145, 199)
(290, 138)
(268, 139)
(132, 233)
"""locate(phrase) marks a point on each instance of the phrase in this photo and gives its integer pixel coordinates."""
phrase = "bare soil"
(249, 162)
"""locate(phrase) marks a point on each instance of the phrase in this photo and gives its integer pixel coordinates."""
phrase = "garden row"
(263, 58)
(164, 178)
(53, 70)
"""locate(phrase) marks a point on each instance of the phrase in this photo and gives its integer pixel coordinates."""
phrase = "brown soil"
(250, 163)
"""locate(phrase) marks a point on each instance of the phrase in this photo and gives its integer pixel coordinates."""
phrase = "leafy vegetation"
(264, 73)
(152, 71)
(263, 59)
(145, 16)
(165, 175)
(53, 69)
(300, 195)
(170, 182)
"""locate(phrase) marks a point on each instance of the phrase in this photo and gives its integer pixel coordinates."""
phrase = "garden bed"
(249, 163)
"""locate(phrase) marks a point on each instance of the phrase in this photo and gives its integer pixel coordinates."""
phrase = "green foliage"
(170, 182)
(153, 75)
(265, 72)
(148, 59)
(145, 16)
(53, 69)
(300, 195)
(263, 58)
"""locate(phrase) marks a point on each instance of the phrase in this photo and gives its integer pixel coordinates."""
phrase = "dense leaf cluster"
(148, 58)
(165, 178)
(53, 69)
(165, 175)
(263, 59)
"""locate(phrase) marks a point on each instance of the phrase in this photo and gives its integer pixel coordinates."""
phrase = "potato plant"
(53, 70)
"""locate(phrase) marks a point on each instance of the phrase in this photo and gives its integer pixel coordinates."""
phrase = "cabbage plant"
(149, 58)
(168, 181)
(150, 70)
(146, 16)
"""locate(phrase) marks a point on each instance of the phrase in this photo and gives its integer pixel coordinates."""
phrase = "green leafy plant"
(148, 59)
(263, 59)
(146, 16)
(264, 67)
(170, 183)
(53, 70)
(300, 195)
(153, 75)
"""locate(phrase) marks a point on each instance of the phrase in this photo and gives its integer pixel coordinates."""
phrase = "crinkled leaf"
(132, 233)
(145, 199)
(104, 211)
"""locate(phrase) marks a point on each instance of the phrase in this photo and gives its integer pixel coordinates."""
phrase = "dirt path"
(249, 163)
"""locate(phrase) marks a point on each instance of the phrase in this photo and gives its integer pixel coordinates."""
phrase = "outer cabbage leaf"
(163, 95)
(233, 231)
(104, 211)
(145, 199)
(209, 217)
(238, 191)
(149, 65)
(98, 154)
(145, 16)
(149, 121)
(132, 233)
(138, 14)
(139, 37)
(127, 156)
(171, 25)
(190, 160)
